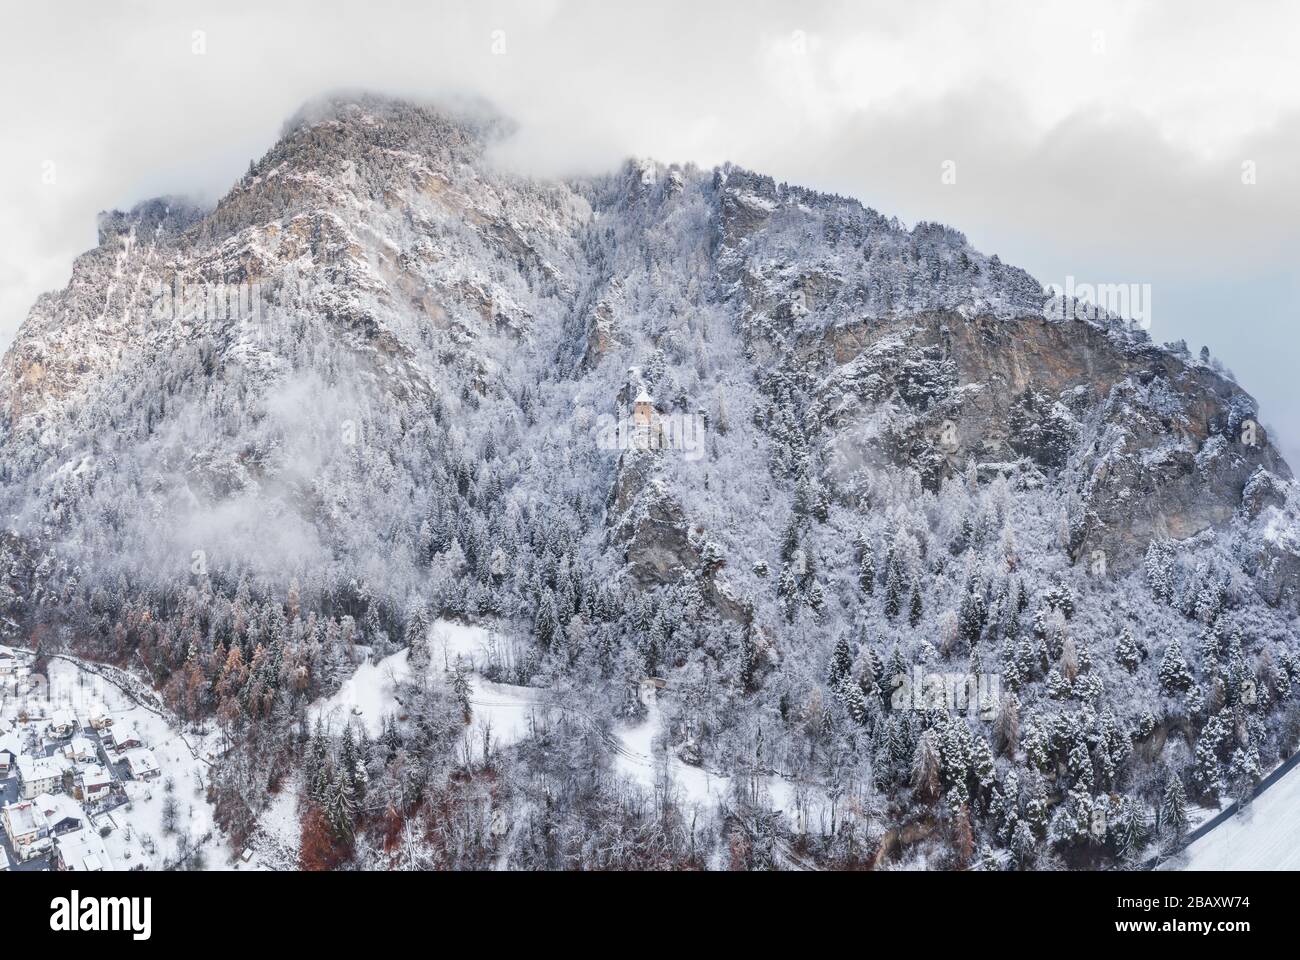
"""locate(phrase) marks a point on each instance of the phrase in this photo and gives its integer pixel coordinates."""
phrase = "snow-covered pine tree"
(914, 610)
(841, 662)
(1126, 650)
(1174, 674)
(1173, 809)
(867, 569)
(893, 594)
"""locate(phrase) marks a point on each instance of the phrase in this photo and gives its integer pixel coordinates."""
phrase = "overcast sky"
(1109, 142)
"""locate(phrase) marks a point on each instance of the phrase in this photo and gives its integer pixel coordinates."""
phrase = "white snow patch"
(507, 710)
(449, 640)
(635, 757)
(1263, 836)
(367, 696)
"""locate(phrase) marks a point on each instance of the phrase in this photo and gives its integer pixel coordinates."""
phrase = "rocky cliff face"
(1148, 442)
(406, 412)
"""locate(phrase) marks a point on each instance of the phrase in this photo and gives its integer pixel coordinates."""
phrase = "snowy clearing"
(370, 693)
(367, 696)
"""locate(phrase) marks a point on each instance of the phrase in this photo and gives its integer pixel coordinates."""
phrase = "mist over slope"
(384, 395)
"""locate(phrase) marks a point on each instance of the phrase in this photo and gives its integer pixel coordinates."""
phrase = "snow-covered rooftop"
(23, 817)
(41, 768)
(83, 852)
(59, 806)
(141, 761)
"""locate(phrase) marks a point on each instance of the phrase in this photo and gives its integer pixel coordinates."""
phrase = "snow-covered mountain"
(765, 444)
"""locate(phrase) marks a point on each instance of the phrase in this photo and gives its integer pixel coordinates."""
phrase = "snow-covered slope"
(1265, 835)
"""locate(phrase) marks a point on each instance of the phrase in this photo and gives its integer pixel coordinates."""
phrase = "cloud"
(1104, 141)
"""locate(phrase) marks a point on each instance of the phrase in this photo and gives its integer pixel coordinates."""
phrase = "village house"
(81, 852)
(26, 829)
(81, 750)
(63, 724)
(142, 764)
(123, 738)
(99, 718)
(8, 662)
(37, 775)
(62, 813)
(96, 784)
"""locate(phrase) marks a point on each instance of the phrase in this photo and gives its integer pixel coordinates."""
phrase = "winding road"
(1185, 857)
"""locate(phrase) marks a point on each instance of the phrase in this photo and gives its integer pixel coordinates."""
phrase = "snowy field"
(371, 693)
(470, 644)
(1264, 836)
(636, 758)
(367, 696)
(509, 711)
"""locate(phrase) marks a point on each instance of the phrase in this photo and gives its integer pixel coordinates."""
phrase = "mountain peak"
(398, 120)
